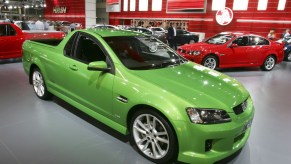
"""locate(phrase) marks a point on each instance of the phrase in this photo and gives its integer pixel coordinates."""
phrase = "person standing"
(72, 27)
(271, 34)
(287, 33)
(171, 36)
(45, 25)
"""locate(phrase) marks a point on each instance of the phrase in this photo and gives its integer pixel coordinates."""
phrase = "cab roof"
(103, 32)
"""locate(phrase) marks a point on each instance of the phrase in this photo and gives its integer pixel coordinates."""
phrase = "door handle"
(73, 67)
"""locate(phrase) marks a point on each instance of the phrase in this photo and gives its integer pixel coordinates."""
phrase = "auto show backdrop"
(65, 10)
(251, 19)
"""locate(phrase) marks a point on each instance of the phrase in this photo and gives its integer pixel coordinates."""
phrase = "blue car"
(287, 47)
(287, 52)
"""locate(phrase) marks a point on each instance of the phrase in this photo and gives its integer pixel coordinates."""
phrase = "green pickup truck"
(171, 108)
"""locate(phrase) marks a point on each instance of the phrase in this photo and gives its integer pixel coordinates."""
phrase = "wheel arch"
(138, 107)
(271, 54)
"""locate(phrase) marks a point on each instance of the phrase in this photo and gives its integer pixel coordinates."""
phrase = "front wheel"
(210, 62)
(269, 63)
(39, 86)
(288, 56)
(153, 137)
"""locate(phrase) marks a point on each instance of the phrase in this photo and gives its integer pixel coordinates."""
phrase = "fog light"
(208, 145)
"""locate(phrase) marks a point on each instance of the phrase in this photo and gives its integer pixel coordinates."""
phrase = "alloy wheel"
(210, 63)
(38, 83)
(269, 63)
(151, 136)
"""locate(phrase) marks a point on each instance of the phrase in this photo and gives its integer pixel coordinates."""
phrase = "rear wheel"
(210, 62)
(153, 137)
(39, 86)
(269, 63)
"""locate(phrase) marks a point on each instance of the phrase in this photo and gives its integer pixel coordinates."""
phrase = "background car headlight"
(207, 116)
(192, 52)
(285, 48)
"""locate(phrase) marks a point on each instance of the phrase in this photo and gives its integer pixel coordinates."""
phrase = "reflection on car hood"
(199, 46)
(198, 85)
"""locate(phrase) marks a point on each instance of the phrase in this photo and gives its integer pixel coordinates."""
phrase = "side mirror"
(98, 66)
(233, 45)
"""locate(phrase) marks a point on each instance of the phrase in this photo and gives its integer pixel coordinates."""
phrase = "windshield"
(143, 52)
(157, 29)
(219, 39)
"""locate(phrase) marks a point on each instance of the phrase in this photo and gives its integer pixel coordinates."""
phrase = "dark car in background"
(159, 35)
(185, 37)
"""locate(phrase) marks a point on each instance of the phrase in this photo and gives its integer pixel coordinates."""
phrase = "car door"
(237, 55)
(92, 89)
(258, 49)
(10, 41)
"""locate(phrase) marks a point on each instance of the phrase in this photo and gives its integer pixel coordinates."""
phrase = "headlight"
(285, 48)
(192, 52)
(207, 116)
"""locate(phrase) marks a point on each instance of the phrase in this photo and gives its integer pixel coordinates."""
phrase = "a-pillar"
(90, 13)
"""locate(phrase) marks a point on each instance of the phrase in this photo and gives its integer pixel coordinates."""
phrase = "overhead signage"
(113, 5)
(60, 10)
(224, 16)
(186, 6)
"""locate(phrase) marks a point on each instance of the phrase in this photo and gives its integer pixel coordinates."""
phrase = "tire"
(288, 57)
(39, 86)
(210, 62)
(269, 63)
(153, 137)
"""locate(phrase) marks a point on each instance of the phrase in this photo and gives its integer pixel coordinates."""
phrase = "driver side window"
(88, 50)
(241, 41)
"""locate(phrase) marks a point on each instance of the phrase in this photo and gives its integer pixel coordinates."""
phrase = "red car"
(231, 49)
(12, 38)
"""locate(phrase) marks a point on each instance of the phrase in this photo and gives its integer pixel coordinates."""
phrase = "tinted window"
(68, 51)
(10, 31)
(6, 30)
(241, 41)
(88, 50)
(143, 52)
(255, 40)
(2, 30)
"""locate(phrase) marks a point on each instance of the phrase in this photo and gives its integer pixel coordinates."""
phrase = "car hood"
(200, 46)
(198, 85)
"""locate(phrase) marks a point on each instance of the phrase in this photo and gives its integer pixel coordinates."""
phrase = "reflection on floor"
(46, 132)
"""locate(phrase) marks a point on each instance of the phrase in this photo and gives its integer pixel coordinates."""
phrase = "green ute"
(172, 108)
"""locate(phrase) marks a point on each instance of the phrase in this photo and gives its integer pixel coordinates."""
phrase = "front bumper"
(193, 58)
(205, 144)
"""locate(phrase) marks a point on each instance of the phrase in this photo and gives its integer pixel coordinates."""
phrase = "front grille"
(208, 145)
(240, 108)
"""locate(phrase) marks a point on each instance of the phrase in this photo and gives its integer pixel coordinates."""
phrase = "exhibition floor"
(33, 131)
